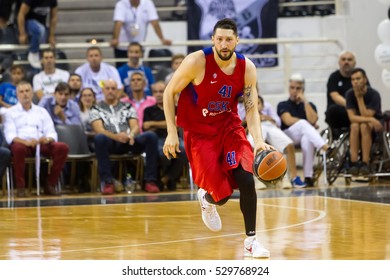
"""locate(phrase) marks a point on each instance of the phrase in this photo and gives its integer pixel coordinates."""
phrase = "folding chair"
(75, 137)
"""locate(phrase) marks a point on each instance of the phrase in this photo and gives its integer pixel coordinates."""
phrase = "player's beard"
(225, 58)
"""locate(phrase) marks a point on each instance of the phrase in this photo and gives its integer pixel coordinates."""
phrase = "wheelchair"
(338, 163)
(339, 159)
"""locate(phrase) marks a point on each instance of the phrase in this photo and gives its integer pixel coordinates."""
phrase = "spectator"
(117, 131)
(75, 82)
(273, 135)
(94, 72)
(61, 109)
(131, 19)
(5, 13)
(65, 111)
(26, 126)
(364, 111)
(154, 120)
(139, 99)
(86, 101)
(175, 63)
(135, 53)
(8, 96)
(5, 160)
(299, 118)
(32, 18)
(179, 14)
(339, 83)
(45, 81)
(5, 157)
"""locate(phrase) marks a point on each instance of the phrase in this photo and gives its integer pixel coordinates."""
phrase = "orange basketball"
(269, 166)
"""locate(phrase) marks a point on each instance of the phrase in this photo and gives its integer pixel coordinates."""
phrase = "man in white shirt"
(26, 126)
(45, 81)
(94, 72)
(131, 19)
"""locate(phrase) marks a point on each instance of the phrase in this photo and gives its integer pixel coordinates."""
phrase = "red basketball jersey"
(211, 106)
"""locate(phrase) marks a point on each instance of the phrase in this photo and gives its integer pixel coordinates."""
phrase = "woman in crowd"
(86, 101)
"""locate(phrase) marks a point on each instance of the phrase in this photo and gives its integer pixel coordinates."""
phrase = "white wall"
(361, 36)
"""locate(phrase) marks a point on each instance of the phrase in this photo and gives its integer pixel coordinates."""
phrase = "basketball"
(269, 166)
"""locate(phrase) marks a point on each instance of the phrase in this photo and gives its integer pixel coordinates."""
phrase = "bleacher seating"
(79, 21)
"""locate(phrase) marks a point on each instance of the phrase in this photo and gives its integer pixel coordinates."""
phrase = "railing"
(294, 55)
(286, 55)
(338, 6)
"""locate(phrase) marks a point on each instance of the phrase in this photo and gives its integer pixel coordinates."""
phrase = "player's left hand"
(261, 146)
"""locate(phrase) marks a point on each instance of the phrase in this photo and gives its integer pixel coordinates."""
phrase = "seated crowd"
(121, 111)
(92, 97)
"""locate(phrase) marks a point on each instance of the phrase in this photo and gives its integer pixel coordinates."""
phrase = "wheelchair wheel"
(326, 134)
(380, 153)
(335, 163)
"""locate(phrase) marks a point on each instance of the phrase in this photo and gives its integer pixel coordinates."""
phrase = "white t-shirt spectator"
(95, 80)
(135, 20)
(47, 83)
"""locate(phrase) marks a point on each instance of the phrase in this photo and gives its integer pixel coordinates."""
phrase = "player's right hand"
(171, 146)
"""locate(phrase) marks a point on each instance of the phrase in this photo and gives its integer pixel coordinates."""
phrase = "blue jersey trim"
(240, 56)
(208, 51)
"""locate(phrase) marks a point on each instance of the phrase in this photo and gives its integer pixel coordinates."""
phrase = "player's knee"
(221, 202)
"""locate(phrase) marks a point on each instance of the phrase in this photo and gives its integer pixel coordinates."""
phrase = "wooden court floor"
(322, 223)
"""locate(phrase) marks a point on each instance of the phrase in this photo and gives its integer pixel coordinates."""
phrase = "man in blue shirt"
(61, 108)
(135, 53)
(8, 89)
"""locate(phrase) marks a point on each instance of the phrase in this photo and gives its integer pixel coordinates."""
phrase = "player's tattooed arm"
(248, 100)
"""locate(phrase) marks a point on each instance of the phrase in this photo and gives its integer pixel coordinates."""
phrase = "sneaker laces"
(209, 209)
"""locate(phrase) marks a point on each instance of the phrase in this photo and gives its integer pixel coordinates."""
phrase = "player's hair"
(226, 23)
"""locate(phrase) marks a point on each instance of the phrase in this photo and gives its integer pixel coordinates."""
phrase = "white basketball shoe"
(252, 248)
(210, 215)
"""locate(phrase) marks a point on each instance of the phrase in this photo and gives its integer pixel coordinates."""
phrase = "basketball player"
(209, 82)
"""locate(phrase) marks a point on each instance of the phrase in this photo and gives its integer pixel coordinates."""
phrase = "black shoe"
(354, 169)
(309, 182)
(171, 185)
(364, 169)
